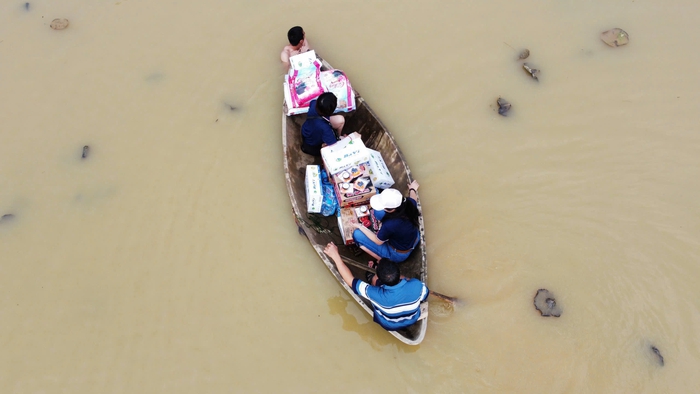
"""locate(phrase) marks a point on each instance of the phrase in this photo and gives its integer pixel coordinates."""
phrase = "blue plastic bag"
(330, 203)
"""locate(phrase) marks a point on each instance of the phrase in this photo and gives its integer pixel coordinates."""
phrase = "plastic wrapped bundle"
(305, 85)
(336, 82)
(329, 204)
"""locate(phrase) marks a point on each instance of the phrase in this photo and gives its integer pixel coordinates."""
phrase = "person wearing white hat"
(399, 233)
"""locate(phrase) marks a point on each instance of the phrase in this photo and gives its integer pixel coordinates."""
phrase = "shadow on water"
(155, 76)
(7, 218)
(93, 196)
(369, 332)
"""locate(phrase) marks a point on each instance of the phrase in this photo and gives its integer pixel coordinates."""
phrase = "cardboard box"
(314, 193)
(348, 152)
(378, 171)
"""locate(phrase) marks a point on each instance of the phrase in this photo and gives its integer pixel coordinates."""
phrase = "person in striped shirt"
(395, 299)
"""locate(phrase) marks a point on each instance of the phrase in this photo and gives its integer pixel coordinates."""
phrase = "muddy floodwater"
(150, 246)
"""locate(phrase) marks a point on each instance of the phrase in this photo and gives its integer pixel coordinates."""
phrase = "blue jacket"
(317, 130)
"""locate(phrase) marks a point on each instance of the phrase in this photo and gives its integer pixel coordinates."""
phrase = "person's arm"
(332, 251)
(413, 190)
(284, 56)
(369, 233)
(328, 135)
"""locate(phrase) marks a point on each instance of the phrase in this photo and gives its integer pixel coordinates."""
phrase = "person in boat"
(297, 44)
(321, 125)
(399, 233)
(395, 299)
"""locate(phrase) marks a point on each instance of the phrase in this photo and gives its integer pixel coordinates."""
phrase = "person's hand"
(414, 185)
(331, 250)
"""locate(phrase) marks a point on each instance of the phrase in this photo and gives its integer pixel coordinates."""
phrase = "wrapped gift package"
(378, 171)
(349, 216)
(351, 197)
(314, 193)
(348, 152)
(353, 186)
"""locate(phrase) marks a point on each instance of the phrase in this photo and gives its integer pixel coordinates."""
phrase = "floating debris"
(503, 106)
(659, 357)
(26, 6)
(524, 54)
(59, 23)
(532, 71)
(231, 107)
(7, 217)
(615, 37)
(86, 151)
(546, 304)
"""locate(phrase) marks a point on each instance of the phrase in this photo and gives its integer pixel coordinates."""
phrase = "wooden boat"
(321, 230)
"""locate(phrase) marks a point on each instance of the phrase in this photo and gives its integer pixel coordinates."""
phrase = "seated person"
(318, 129)
(395, 299)
(399, 233)
(297, 44)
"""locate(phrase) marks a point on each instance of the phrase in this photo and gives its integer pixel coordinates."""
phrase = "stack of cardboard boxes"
(356, 172)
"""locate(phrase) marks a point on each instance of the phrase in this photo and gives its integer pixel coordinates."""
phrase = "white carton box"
(378, 171)
(314, 194)
(348, 152)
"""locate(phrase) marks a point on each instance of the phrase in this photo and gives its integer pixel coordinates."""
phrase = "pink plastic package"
(305, 85)
(336, 82)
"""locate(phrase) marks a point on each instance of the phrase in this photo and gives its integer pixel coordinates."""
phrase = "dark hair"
(325, 104)
(295, 35)
(406, 211)
(388, 272)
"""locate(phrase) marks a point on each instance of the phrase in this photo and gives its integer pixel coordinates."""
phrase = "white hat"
(388, 199)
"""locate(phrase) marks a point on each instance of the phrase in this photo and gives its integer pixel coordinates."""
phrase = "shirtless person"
(297, 44)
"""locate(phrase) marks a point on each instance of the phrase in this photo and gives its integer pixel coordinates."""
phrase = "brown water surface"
(167, 261)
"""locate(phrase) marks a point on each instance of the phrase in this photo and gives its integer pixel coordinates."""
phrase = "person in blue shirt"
(399, 233)
(320, 127)
(395, 299)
